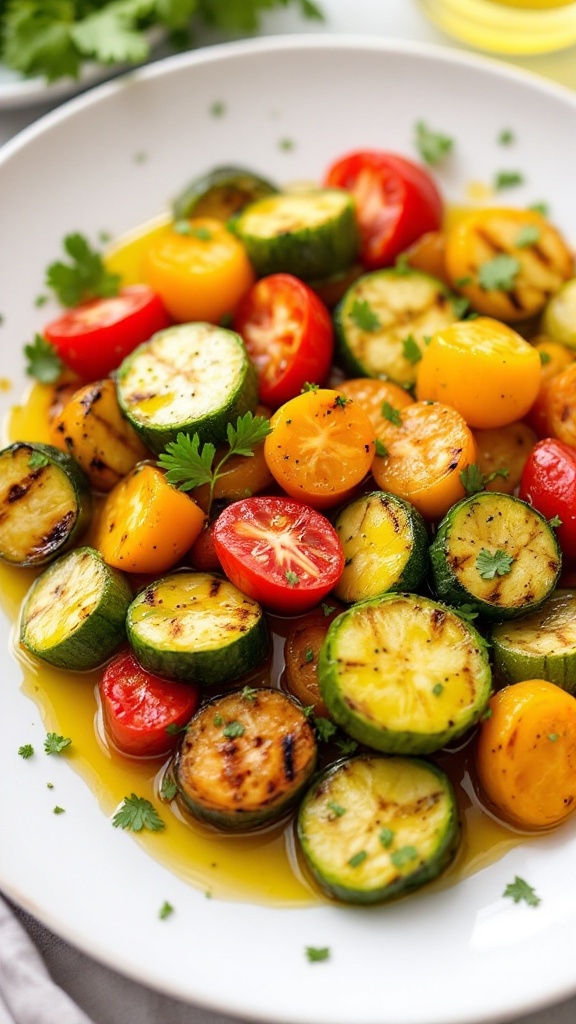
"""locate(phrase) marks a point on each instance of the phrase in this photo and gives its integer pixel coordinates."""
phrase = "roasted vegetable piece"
(245, 759)
(45, 503)
(404, 674)
(372, 828)
(541, 645)
(220, 193)
(301, 652)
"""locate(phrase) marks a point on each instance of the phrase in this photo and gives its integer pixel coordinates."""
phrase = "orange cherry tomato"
(320, 448)
(560, 406)
(199, 269)
(482, 368)
(554, 357)
(376, 397)
(427, 446)
(526, 754)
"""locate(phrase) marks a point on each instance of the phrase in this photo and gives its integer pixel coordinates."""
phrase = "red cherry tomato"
(549, 484)
(396, 202)
(93, 339)
(282, 553)
(288, 333)
(138, 707)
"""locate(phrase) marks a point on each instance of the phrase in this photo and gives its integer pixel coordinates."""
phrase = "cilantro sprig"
(493, 563)
(136, 813)
(84, 278)
(474, 480)
(190, 464)
(432, 146)
(42, 361)
(520, 891)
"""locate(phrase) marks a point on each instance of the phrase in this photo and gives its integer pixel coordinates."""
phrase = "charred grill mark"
(19, 490)
(89, 400)
(58, 532)
(149, 597)
(288, 756)
(215, 587)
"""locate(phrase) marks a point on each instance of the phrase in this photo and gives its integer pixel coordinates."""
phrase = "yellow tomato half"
(199, 269)
(482, 368)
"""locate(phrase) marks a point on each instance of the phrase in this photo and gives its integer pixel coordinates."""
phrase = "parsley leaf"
(232, 730)
(555, 521)
(364, 316)
(137, 813)
(292, 578)
(499, 273)
(26, 750)
(507, 179)
(55, 744)
(528, 235)
(190, 465)
(491, 564)
(325, 729)
(520, 890)
(168, 788)
(506, 137)
(403, 856)
(411, 350)
(43, 362)
(391, 414)
(165, 910)
(357, 859)
(37, 460)
(315, 954)
(432, 146)
(336, 809)
(84, 278)
(380, 448)
(545, 357)
(474, 480)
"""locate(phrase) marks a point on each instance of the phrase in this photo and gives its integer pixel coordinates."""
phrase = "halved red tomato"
(288, 333)
(143, 712)
(396, 202)
(93, 339)
(549, 484)
(278, 551)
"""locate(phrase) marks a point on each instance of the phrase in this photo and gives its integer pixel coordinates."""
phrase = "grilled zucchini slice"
(372, 828)
(384, 319)
(45, 503)
(404, 674)
(541, 645)
(221, 193)
(496, 554)
(312, 235)
(193, 378)
(197, 627)
(74, 613)
(245, 759)
(385, 545)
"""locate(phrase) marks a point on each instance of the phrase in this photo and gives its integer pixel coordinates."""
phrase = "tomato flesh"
(396, 202)
(94, 338)
(288, 333)
(280, 552)
(549, 484)
(139, 707)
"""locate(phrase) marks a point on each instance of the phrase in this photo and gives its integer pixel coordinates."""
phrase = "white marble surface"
(107, 997)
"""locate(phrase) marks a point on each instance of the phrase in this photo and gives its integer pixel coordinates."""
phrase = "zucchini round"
(495, 554)
(193, 378)
(541, 645)
(372, 828)
(385, 545)
(221, 193)
(245, 759)
(74, 613)
(45, 503)
(404, 674)
(384, 319)
(197, 627)
(309, 234)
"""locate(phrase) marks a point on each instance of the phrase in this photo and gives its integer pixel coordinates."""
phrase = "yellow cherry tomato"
(502, 453)
(199, 269)
(482, 368)
(526, 754)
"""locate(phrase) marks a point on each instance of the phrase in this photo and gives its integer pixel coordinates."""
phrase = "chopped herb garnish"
(184, 227)
(486, 714)
(325, 729)
(165, 910)
(327, 608)
(390, 413)
(287, 145)
(55, 744)
(411, 350)
(346, 745)
(552, 736)
(37, 460)
(380, 448)
(174, 730)
(545, 357)
(437, 689)
(402, 264)
(461, 282)
(542, 208)
(308, 655)
(217, 109)
(218, 720)
(555, 521)
(357, 859)
(308, 386)
(520, 890)
(336, 809)
(168, 788)
(136, 813)
(342, 401)
(432, 146)
(232, 730)
(474, 480)
(460, 306)
(528, 235)
(499, 273)
(26, 750)
(491, 564)
(364, 316)
(190, 464)
(57, 810)
(386, 837)
(507, 179)
(468, 612)
(292, 578)
(403, 856)
(315, 954)
(249, 693)
(84, 278)
(43, 362)
(506, 137)
(40, 301)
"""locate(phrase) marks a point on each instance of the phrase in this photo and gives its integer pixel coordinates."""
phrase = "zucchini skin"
(252, 775)
(373, 828)
(51, 501)
(541, 645)
(85, 599)
(478, 522)
(198, 628)
(403, 674)
(221, 193)
(155, 391)
(385, 544)
(291, 245)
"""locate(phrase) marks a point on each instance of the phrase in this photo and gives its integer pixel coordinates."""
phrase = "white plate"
(459, 955)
